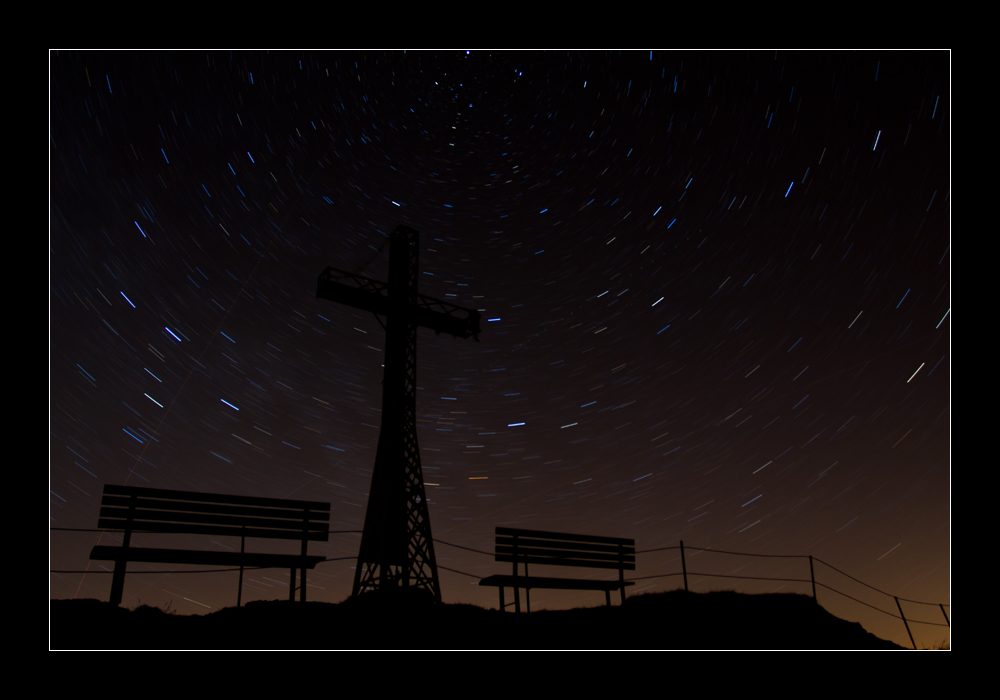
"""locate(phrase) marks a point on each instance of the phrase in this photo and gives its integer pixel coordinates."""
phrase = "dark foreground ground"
(673, 620)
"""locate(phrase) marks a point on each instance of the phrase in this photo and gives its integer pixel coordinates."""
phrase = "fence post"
(812, 575)
(684, 566)
(905, 622)
(517, 594)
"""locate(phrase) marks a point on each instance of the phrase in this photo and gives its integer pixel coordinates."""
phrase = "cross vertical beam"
(397, 549)
(396, 544)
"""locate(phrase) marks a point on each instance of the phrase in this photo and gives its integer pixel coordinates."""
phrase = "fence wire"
(637, 578)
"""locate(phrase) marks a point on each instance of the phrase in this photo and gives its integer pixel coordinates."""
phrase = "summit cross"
(396, 545)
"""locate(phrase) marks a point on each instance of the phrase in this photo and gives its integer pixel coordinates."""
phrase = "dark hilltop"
(672, 620)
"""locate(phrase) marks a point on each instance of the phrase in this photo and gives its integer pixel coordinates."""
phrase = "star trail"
(715, 293)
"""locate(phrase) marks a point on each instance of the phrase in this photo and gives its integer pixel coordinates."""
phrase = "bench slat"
(507, 543)
(627, 566)
(125, 502)
(555, 583)
(213, 498)
(187, 556)
(566, 553)
(562, 536)
(182, 529)
(143, 515)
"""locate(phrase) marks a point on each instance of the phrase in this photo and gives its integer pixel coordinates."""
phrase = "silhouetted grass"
(943, 645)
(672, 620)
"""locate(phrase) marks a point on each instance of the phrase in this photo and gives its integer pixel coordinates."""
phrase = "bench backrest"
(562, 549)
(158, 510)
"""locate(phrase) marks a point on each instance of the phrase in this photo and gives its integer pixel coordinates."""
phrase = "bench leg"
(118, 582)
(291, 587)
(503, 608)
(239, 589)
(607, 597)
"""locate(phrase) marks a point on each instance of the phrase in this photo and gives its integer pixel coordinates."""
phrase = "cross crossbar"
(371, 295)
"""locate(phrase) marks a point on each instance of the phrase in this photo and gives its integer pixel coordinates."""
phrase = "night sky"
(715, 290)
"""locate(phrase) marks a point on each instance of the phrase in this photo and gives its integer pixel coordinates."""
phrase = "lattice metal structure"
(396, 546)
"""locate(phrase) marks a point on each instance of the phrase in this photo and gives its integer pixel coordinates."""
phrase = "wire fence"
(684, 573)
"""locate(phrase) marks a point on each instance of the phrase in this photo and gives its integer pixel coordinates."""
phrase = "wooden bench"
(560, 549)
(133, 510)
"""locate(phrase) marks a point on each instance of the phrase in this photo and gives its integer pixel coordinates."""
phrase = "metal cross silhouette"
(396, 545)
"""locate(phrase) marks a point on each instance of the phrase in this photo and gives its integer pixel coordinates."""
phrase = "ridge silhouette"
(671, 620)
